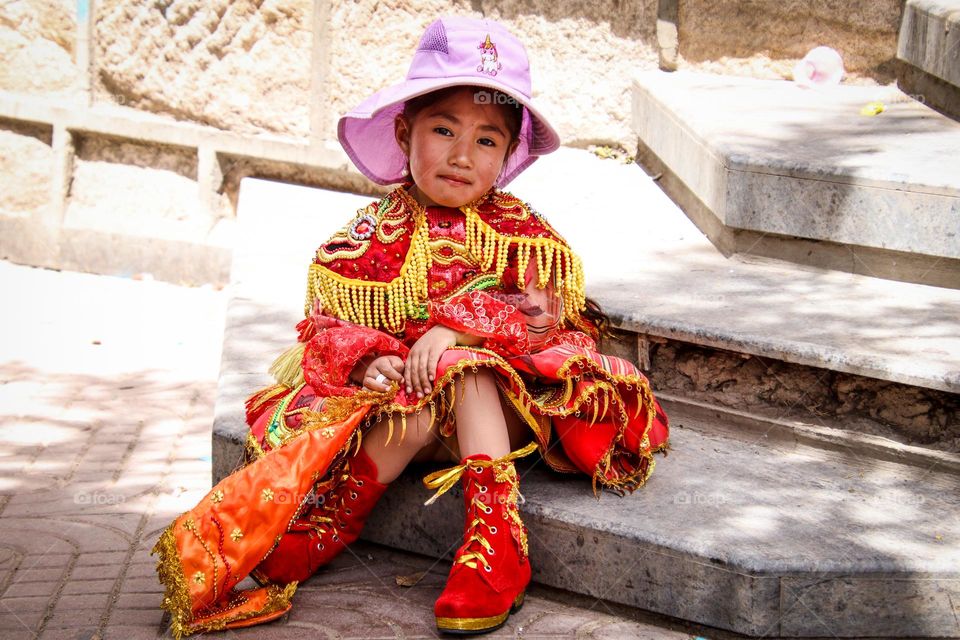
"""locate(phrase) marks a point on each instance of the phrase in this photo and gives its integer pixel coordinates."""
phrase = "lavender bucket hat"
(452, 52)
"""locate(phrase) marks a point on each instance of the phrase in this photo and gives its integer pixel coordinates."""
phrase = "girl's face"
(456, 148)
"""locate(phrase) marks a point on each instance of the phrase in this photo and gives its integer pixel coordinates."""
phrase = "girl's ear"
(511, 148)
(401, 131)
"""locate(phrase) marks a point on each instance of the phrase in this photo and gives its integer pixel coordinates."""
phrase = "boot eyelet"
(490, 552)
(488, 510)
(353, 495)
(493, 530)
(359, 483)
(336, 538)
(348, 511)
(343, 525)
(483, 489)
(319, 546)
(487, 568)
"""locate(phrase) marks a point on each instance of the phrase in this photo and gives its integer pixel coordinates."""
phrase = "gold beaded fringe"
(387, 305)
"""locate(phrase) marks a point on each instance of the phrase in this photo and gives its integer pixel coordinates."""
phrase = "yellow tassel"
(389, 430)
(286, 369)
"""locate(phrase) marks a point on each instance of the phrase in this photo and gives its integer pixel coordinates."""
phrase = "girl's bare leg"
(485, 421)
(393, 457)
(485, 424)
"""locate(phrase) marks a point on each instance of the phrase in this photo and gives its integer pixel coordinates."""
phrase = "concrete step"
(763, 534)
(764, 525)
(930, 38)
(767, 168)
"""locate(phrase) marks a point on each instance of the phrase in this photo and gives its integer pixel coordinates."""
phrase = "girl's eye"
(487, 142)
(443, 131)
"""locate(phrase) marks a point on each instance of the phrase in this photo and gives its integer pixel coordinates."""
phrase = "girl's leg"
(393, 457)
(494, 540)
(485, 421)
(485, 424)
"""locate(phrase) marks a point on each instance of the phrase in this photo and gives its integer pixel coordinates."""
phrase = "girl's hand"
(390, 367)
(421, 365)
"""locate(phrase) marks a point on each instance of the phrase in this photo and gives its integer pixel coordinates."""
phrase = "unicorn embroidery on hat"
(489, 63)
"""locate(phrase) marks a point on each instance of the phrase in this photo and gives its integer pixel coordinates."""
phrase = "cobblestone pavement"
(107, 388)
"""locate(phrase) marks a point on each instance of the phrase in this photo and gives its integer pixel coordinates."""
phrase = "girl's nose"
(460, 152)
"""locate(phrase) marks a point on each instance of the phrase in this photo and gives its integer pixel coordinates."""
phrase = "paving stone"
(88, 587)
(46, 532)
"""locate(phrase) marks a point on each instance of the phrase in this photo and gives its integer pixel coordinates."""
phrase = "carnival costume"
(396, 270)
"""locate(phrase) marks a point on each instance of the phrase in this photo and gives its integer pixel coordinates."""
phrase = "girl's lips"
(455, 180)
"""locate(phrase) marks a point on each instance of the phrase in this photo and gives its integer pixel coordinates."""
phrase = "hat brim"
(367, 132)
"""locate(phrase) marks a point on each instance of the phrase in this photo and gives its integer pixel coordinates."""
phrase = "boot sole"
(474, 626)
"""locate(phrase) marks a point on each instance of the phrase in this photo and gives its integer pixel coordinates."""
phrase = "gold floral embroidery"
(189, 524)
(217, 496)
(199, 577)
(327, 432)
(267, 495)
(236, 534)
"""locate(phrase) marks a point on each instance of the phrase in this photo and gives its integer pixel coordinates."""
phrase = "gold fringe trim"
(387, 305)
(287, 369)
(278, 599)
(553, 259)
(176, 597)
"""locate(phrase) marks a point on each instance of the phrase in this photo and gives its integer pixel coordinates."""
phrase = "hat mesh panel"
(434, 39)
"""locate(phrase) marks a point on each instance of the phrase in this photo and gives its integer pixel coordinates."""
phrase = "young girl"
(446, 322)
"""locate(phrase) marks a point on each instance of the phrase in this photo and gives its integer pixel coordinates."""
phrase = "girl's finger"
(420, 377)
(370, 382)
(432, 365)
(387, 369)
(396, 362)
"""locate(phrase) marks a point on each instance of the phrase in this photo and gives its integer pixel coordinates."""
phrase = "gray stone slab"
(229, 422)
(735, 533)
(930, 38)
(920, 605)
(901, 332)
(723, 521)
(769, 156)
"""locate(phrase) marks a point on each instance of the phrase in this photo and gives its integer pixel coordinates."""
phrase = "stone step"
(768, 168)
(809, 346)
(762, 534)
(930, 38)
(760, 525)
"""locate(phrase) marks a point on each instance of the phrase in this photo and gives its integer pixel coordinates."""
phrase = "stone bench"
(751, 525)
(765, 167)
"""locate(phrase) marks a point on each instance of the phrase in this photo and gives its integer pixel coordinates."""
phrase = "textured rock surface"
(131, 188)
(241, 66)
(25, 164)
(776, 389)
(764, 38)
(37, 46)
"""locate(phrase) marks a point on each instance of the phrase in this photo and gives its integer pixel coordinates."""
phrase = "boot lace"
(329, 519)
(474, 558)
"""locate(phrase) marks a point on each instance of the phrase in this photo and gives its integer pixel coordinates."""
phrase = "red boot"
(491, 571)
(323, 531)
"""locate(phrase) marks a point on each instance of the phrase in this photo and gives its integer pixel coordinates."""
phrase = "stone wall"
(764, 38)
(37, 46)
(94, 92)
(292, 67)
